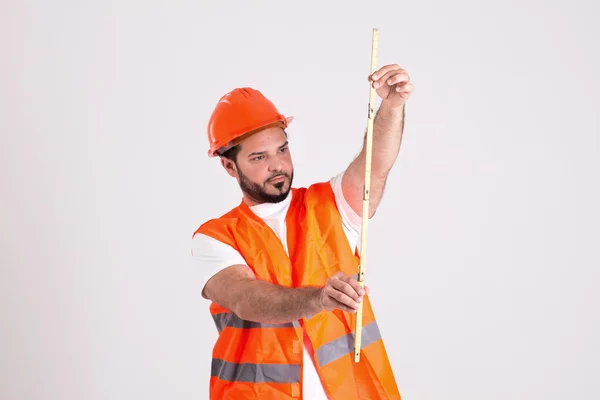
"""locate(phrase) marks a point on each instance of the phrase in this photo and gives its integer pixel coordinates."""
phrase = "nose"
(275, 164)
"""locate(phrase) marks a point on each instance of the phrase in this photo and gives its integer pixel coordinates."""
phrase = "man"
(281, 266)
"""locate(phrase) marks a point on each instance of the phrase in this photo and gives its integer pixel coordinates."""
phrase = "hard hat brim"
(284, 123)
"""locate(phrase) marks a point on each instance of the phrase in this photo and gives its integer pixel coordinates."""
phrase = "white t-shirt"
(212, 256)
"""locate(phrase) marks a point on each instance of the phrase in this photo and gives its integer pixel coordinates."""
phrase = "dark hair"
(232, 153)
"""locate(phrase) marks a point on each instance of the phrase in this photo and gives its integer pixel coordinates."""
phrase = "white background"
(483, 257)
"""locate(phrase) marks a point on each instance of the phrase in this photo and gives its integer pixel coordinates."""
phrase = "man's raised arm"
(393, 86)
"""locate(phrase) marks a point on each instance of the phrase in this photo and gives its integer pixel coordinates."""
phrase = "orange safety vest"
(253, 360)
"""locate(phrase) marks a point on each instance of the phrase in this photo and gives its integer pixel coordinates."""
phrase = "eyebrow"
(258, 153)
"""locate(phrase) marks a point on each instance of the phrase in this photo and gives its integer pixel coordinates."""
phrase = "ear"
(229, 166)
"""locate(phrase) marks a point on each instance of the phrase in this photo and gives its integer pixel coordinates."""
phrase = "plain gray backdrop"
(483, 256)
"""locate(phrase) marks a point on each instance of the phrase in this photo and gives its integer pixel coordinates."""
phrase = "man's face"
(264, 167)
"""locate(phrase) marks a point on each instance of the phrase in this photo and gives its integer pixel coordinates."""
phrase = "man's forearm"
(388, 126)
(269, 303)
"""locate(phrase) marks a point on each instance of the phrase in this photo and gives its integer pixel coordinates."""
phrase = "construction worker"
(281, 267)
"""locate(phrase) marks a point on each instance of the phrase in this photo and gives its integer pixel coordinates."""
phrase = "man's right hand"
(343, 292)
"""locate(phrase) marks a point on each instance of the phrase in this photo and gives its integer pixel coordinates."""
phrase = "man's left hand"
(392, 84)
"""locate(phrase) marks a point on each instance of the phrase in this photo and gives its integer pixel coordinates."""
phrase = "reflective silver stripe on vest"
(256, 373)
(231, 320)
(341, 346)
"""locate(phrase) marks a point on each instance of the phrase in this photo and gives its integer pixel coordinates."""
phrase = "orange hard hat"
(240, 112)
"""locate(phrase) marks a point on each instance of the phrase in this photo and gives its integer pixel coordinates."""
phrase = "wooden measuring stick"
(367, 187)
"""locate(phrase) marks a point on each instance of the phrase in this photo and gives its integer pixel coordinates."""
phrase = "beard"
(258, 192)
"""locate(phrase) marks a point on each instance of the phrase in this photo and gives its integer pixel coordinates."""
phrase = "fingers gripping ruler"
(367, 188)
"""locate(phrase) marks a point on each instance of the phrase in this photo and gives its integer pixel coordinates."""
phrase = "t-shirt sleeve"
(350, 219)
(212, 256)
